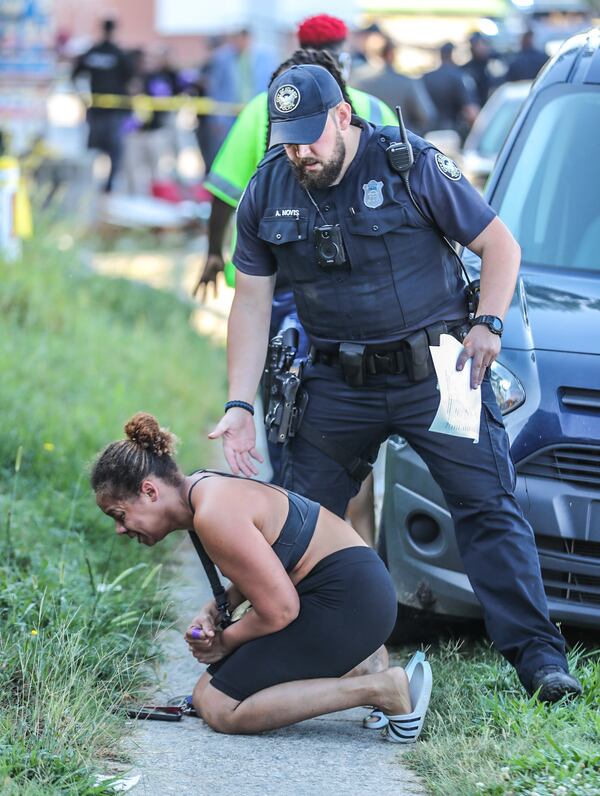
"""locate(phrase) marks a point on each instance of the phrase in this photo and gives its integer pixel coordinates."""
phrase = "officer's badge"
(373, 194)
(287, 99)
(447, 166)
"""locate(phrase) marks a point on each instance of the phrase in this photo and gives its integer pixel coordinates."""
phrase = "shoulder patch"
(448, 167)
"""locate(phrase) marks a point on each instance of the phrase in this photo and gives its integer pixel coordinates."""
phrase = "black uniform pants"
(106, 134)
(495, 541)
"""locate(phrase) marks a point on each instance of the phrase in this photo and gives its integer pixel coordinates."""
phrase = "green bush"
(79, 608)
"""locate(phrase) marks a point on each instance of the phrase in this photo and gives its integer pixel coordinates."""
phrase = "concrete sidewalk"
(331, 754)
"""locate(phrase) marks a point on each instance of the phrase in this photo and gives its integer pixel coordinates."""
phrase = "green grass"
(79, 608)
(485, 737)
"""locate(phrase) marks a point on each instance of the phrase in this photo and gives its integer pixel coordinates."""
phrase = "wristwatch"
(493, 323)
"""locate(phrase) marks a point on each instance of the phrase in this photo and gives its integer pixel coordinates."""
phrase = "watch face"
(496, 324)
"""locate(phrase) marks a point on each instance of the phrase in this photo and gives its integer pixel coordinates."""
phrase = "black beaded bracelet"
(241, 404)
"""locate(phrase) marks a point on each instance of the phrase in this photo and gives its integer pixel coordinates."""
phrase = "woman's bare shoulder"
(225, 502)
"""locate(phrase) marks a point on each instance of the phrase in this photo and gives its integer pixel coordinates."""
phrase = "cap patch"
(287, 99)
(447, 166)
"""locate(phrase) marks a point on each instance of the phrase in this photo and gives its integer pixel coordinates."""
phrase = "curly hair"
(148, 450)
(319, 58)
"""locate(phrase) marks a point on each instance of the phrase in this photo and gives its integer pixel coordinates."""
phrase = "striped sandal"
(377, 720)
(406, 727)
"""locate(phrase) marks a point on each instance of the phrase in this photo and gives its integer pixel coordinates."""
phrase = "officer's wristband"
(241, 405)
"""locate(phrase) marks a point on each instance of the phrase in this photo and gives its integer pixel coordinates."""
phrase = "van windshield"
(549, 196)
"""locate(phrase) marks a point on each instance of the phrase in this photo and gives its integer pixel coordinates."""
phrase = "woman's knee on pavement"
(216, 708)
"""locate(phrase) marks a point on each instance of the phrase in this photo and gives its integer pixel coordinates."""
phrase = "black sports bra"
(298, 528)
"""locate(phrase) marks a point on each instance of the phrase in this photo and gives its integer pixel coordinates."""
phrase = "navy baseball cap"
(299, 100)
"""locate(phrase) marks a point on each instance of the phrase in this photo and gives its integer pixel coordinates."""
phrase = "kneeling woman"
(322, 601)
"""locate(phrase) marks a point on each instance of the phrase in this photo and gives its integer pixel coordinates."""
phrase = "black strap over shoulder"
(217, 587)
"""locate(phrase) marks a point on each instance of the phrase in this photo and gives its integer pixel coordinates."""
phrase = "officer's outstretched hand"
(213, 266)
(482, 346)
(239, 441)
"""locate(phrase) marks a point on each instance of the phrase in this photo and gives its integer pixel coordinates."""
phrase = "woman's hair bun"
(144, 430)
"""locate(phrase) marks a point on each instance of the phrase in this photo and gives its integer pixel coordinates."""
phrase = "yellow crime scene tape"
(144, 104)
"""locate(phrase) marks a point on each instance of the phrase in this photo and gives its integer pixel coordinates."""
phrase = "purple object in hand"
(196, 632)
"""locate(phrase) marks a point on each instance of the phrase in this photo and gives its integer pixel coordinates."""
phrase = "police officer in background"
(371, 303)
(109, 71)
(452, 92)
(526, 64)
(478, 69)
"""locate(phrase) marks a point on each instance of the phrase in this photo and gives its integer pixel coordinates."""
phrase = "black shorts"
(348, 608)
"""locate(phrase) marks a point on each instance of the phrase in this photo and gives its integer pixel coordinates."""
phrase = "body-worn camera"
(329, 246)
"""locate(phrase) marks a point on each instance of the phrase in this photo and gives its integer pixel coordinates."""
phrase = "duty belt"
(411, 355)
(375, 361)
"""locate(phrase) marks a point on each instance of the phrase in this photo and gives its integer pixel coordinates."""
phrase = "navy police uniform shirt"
(408, 277)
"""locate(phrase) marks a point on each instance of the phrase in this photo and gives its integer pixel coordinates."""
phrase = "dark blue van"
(546, 188)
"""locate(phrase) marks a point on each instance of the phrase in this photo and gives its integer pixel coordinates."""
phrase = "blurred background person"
(380, 78)
(150, 141)
(236, 72)
(109, 71)
(477, 68)
(359, 39)
(451, 91)
(528, 61)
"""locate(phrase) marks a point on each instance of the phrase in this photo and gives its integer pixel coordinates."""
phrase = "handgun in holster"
(283, 399)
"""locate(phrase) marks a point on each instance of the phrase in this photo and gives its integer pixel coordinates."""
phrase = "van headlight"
(507, 388)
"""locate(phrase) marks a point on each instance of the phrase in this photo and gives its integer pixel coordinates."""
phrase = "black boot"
(554, 684)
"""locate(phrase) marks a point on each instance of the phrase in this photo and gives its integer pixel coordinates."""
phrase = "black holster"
(284, 401)
(286, 407)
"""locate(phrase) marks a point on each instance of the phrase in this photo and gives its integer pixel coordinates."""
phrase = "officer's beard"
(329, 172)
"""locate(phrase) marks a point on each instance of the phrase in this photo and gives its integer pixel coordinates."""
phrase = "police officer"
(477, 68)
(109, 71)
(375, 284)
(451, 91)
(322, 39)
(527, 62)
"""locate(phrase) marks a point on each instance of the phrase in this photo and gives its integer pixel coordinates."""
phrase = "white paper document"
(459, 411)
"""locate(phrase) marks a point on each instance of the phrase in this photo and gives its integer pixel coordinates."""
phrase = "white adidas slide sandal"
(377, 719)
(406, 727)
